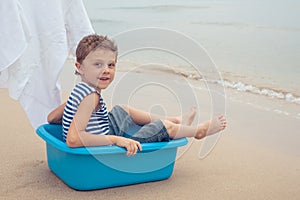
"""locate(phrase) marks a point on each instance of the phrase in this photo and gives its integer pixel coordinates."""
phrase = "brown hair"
(92, 42)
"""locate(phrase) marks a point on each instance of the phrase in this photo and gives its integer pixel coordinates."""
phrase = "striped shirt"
(98, 123)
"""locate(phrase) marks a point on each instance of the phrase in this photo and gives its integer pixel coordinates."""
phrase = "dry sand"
(257, 157)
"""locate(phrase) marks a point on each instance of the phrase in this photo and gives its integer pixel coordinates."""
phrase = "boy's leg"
(165, 130)
(121, 124)
(161, 130)
(152, 132)
(200, 131)
(119, 121)
(141, 117)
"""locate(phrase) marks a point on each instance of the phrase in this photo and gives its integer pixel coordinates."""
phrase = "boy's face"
(98, 68)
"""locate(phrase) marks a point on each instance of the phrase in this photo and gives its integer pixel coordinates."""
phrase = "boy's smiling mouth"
(104, 78)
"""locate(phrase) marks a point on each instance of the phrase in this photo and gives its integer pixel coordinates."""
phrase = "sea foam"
(261, 91)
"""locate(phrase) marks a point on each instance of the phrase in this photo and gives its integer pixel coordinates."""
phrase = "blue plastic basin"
(90, 168)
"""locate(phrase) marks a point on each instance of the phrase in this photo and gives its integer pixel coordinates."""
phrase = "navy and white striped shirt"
(98, 123)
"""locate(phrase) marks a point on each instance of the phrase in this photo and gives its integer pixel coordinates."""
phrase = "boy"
(86, 121)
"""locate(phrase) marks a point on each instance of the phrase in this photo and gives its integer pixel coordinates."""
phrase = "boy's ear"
(78, 67)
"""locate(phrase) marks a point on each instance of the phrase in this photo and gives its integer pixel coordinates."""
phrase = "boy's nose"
(105, 69)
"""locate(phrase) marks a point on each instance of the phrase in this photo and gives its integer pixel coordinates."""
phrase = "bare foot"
(186, 119)
(211, 127)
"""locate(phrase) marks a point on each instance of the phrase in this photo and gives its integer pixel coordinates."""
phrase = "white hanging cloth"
(36, 38)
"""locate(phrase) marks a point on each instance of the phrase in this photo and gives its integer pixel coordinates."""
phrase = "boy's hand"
(131, 146)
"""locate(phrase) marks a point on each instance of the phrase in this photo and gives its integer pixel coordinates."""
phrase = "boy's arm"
(78, 137)
(55, 117)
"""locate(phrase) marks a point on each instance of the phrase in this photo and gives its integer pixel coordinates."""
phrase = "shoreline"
(255, 85)
(266, 99)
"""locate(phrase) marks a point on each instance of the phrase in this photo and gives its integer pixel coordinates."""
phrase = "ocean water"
(254, 44)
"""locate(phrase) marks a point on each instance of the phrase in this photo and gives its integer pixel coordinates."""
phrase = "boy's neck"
(97, 89)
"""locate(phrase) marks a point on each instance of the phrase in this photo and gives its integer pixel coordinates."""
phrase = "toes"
(224, 124)
(222, 119)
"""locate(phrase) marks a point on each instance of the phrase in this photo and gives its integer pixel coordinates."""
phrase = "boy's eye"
(98, 64)
(111, 65)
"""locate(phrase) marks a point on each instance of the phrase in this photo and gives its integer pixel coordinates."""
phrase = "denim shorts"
(121, 124)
